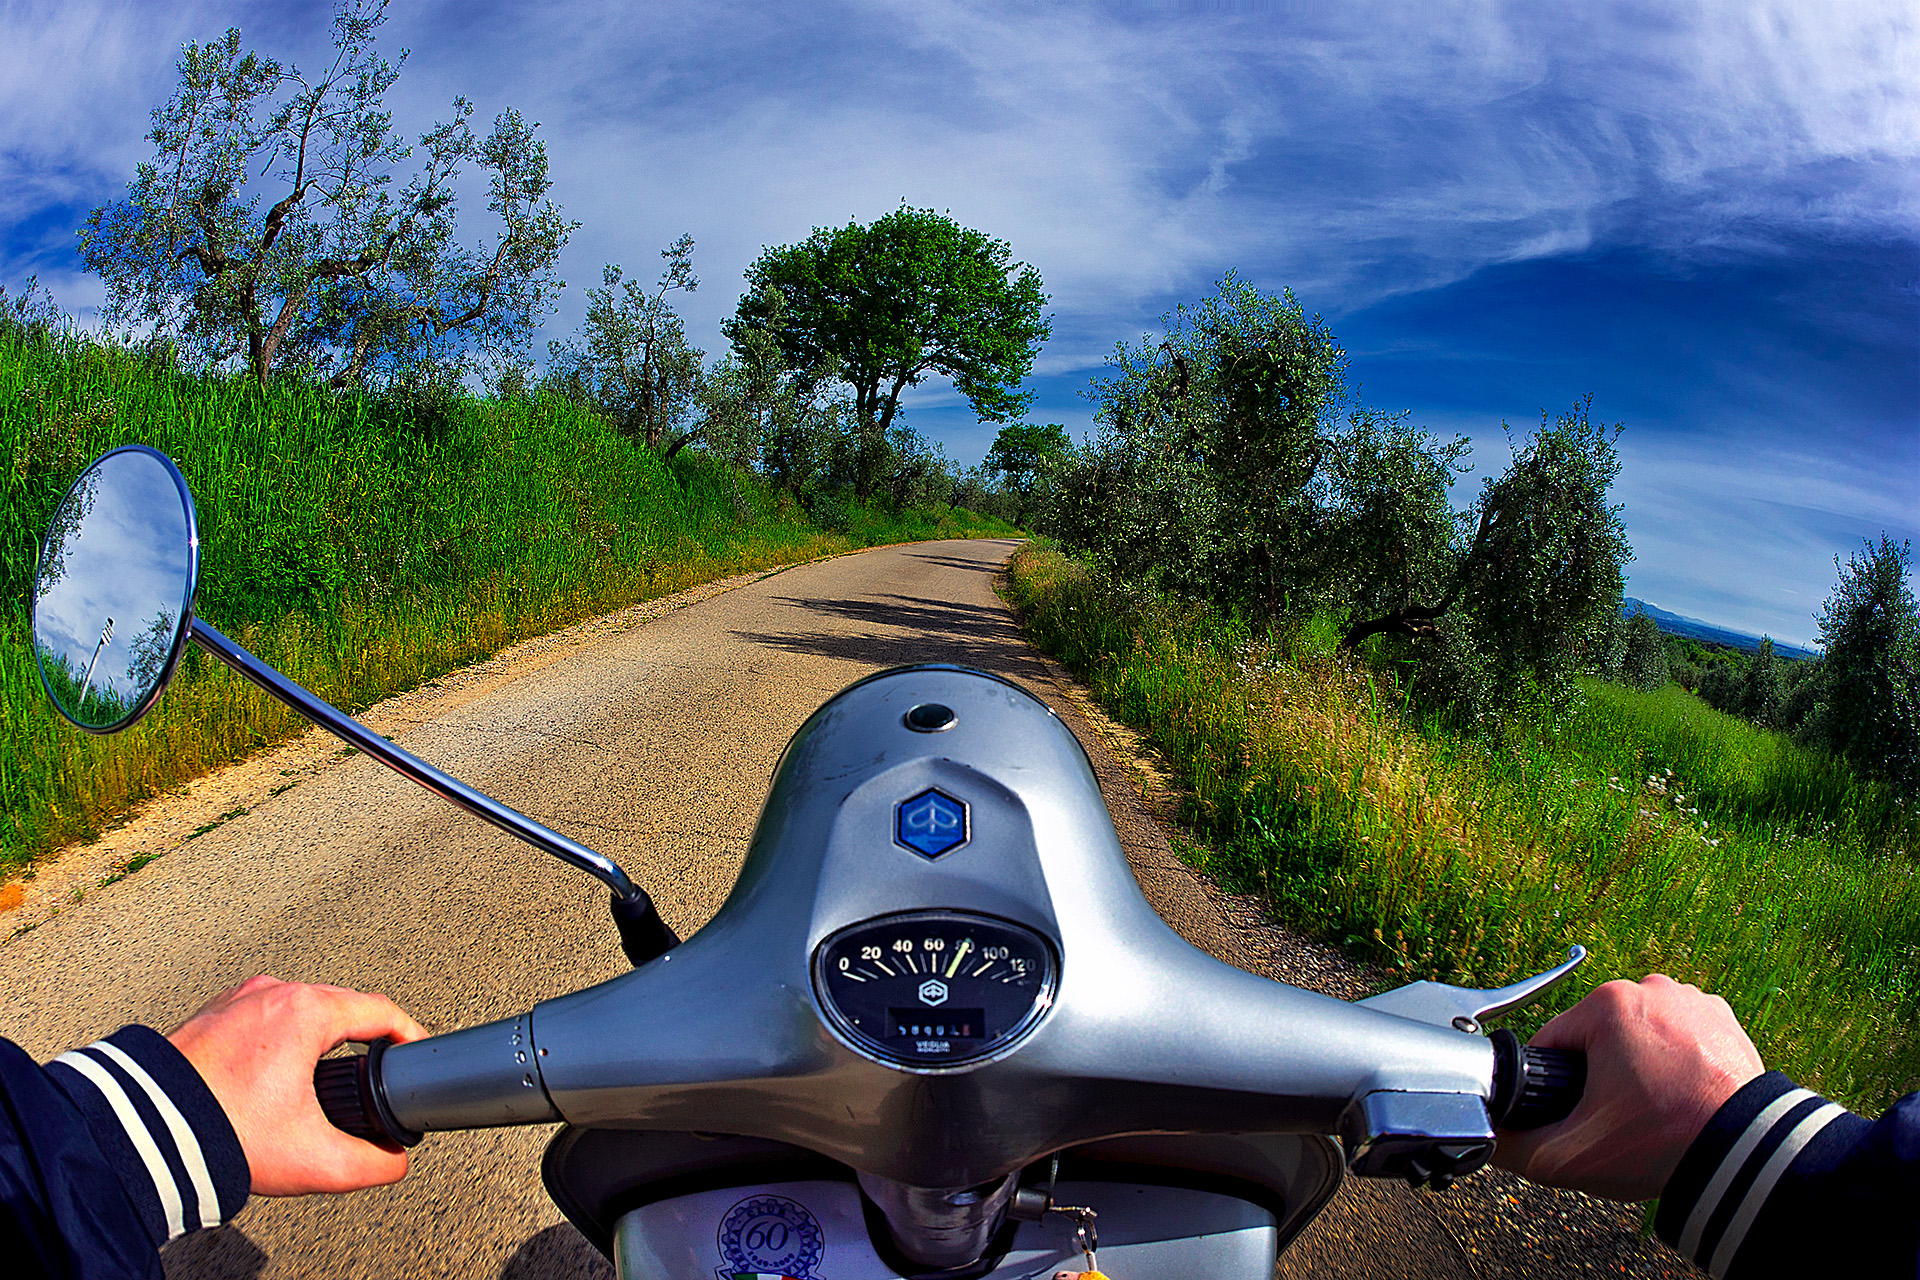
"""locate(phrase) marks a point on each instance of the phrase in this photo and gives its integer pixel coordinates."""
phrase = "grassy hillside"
(359, 545)
(1649, 827)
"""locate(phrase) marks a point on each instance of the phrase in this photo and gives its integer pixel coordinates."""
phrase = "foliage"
(1657, 832)
(978, 489)
(341, 274)
(1209, 442)
(882, 307)
(1861, 700)
(1235, 467)
(1391, 532)
(1760, 687)
(917, 469)
(1870, 628)
(32, 315)
(1025, 457)
(1643, 660)
(632, 362)
(356, 548)
(1547, 567)
(1720, 687)
(757, 412)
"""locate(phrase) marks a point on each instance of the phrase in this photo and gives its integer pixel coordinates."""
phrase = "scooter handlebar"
(478, 1078)
(1532, 1087)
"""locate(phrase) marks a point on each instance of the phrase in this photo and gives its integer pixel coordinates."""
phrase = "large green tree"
(884, 306)
(1025, 457)
(268, 228)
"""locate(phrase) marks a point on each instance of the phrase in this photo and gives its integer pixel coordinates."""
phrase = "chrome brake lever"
(1464, 1008)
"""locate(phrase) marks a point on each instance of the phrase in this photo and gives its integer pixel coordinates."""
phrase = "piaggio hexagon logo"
(933, 991)
(931, 823)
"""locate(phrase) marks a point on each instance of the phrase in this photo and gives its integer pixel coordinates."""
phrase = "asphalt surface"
(651, 740)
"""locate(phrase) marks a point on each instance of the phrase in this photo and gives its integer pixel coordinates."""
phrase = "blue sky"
(1707, 216)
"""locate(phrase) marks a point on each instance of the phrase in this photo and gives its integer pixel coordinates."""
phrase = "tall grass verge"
(1655, 831)
(360, 545)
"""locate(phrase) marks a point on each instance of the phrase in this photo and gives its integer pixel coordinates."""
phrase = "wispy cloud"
(1368, 150)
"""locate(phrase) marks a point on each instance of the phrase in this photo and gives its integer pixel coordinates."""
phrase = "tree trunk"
(680, 443)
(1416, 621)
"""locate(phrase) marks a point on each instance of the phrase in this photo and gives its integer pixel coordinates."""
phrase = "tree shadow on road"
(222, 1253)
(558, 1253)
(909, 629)
(954, 562)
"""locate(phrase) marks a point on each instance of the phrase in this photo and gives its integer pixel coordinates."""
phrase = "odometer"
(934, 988)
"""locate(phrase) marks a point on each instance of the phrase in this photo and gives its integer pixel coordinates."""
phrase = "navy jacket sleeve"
(107, 1153)
(1783, 1182)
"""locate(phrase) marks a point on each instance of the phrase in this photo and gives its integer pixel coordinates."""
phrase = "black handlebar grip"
(1533, 1087)
(350, 1098)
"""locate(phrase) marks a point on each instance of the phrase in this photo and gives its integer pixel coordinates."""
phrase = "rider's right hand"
(256, 1047)
(1662, 1056)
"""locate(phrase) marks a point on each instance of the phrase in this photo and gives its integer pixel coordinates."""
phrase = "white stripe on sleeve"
(102, 1079)
(1758, 1128)
(184, 1139)
(1762, 1187)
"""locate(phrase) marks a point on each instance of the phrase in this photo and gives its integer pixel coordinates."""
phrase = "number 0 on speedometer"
(934, 988)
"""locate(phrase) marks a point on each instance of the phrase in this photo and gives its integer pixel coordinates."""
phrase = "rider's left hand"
(256, 1047)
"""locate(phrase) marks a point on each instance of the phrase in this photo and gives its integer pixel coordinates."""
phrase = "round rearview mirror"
(113, 598)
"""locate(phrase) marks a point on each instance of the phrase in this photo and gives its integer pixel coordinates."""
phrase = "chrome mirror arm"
(411, 767)
(1464, 1008)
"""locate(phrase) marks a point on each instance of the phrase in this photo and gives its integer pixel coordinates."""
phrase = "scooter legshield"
(666, 1206)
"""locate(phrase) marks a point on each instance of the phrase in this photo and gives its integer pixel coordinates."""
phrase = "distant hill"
(1705, 632)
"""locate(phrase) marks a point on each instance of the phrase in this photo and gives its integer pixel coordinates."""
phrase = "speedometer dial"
(934, 988)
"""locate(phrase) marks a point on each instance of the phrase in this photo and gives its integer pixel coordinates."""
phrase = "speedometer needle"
(959, 954)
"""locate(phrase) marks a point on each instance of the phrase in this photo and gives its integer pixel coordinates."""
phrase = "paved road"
(651, 742)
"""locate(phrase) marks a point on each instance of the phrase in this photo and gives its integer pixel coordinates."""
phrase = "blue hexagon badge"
(931, 823)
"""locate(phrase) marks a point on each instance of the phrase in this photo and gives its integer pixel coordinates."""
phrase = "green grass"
(1654, 830)
(359, 547)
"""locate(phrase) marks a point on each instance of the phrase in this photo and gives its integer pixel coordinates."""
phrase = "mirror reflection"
(111, 598)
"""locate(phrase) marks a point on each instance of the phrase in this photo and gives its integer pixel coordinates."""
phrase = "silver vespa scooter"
(935, 1030)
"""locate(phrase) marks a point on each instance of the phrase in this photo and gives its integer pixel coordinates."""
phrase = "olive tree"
(1234, 464)
(1210, 441)
(1543, 573)
(1643, 656)
(1389, 535)
(268, 227)
(886, 305)
(632, 360)
(1870, 629)
(794, 425)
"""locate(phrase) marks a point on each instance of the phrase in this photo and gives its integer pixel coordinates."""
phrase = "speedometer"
(934, 988)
